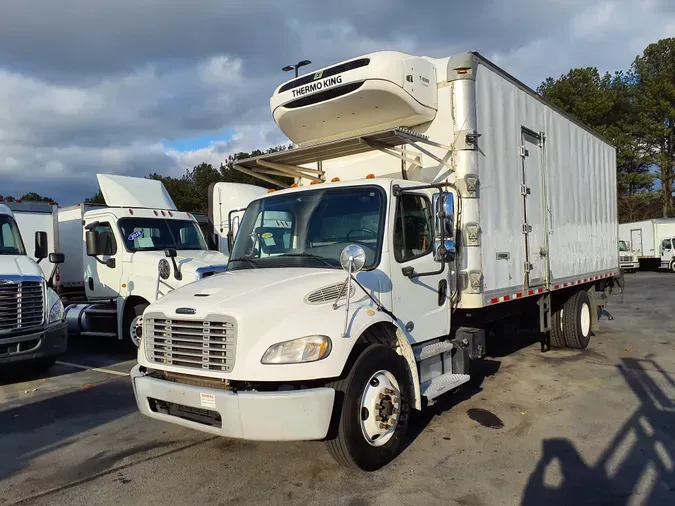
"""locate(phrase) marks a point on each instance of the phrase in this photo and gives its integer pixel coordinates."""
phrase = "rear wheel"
(372, 408)
(576, 320)
(557, 337)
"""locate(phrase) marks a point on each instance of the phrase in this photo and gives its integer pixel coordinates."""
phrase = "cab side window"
(666, 244)
(106, 238)
(412, 228)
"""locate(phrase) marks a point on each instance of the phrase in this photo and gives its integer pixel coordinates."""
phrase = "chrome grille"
(21, 305)
(625, 258)
(328, 294)
(208, 344)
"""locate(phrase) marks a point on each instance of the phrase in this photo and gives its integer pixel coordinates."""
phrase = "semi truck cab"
(32, 325)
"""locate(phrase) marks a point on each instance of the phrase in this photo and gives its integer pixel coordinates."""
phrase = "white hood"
(18, 265)
(188, 261)
(236, 292)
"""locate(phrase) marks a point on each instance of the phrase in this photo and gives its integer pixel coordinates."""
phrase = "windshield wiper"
(244, 259)
(309, 255)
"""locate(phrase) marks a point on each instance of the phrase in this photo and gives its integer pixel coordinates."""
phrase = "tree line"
(634, 109)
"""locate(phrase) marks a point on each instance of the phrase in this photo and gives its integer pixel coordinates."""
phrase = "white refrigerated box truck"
(651, 241)
(126, 254)
(33, 331)
(457, 200)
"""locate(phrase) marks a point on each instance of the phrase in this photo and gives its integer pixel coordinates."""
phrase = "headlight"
(55, 306)
(304, 349)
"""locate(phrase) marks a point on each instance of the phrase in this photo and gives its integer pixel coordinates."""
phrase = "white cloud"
(108, 89)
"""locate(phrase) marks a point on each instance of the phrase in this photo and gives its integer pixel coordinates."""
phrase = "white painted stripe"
(97, 369)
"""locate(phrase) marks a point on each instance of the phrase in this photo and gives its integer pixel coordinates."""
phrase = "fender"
(406, 351)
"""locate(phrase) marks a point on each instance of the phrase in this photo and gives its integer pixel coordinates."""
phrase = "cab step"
(428, 350)
(442, 384)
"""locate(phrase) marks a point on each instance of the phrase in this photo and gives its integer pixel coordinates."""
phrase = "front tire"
(131, 316)
(372, 410)
(576, 319)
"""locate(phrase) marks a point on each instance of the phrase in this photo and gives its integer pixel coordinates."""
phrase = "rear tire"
(557, 336)
(576, 320)
(359, 440)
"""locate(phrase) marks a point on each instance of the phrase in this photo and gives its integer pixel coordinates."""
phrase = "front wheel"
(372, 406)
(131, 317)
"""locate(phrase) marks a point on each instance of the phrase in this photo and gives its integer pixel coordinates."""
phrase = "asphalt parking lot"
(563, 427)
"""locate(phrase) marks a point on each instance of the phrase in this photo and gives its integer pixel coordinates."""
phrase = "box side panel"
(71, 240)
(581, 173)
(498, 110)
(580, 187)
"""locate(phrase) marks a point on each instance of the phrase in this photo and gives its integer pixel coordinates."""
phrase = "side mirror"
(353, 258)
(444, 221)
(41, 245)
(91, 240)
(170, 253)
(57, 258)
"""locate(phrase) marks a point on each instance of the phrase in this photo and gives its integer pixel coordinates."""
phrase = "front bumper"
(296, 415)
(49, 342)
(629, 265)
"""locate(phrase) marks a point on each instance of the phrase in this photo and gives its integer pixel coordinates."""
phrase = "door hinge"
(542, 252)
(527, 228)
(524, 152)
(524, 190)
(528, 267)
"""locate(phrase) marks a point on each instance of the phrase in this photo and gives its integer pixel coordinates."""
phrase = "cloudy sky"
(139, 86)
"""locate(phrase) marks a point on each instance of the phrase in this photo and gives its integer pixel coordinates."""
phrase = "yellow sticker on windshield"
(267, 235)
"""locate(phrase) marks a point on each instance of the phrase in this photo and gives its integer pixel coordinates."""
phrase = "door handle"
(442, 291)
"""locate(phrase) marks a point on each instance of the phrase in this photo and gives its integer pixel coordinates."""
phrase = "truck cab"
(32, 326)
(628, 261)
(126, 254)
(668, 253)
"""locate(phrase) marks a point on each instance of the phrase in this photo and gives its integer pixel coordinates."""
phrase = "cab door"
(667, 252)
(103, 274)
(421, 303)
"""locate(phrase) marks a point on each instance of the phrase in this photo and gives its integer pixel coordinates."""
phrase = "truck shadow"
(639, 459)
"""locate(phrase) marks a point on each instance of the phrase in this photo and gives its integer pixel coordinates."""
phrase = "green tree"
(654, 74)
(35, 197)
(97, 198)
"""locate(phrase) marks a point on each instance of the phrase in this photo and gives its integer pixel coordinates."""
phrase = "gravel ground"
(558, 428)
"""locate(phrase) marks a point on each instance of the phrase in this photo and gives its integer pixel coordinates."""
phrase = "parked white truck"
(122, 256)
(651, 241)
(32, 326)
(455, 198)
(628, 261)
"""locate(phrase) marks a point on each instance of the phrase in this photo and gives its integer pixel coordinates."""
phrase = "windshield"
(623, 246)
(10, 239)
(150, 234)
(310, 228)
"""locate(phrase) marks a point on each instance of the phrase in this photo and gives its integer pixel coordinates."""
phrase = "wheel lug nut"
(381, 396)
(378, 418)
(389, 391)
(384, 426)
(396, 411)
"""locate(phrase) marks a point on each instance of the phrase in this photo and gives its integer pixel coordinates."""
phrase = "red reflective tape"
(564, 284)
(585, 280)
(494, 300)
(557, 286)
(519, 295)
(507, 297)
(530, 292)
(541, 290)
